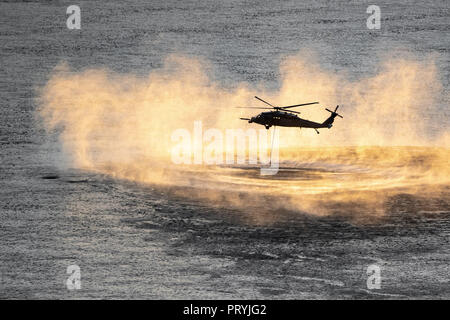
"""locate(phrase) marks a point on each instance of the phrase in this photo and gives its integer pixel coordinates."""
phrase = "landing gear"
(267, 126)
(317, 130)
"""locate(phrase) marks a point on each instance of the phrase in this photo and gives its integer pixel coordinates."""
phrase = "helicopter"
(288, 118)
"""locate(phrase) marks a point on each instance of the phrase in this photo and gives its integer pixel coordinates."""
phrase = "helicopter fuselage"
(288, 119)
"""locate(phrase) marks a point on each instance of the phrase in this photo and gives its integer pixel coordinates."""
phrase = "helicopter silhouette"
(288, 118)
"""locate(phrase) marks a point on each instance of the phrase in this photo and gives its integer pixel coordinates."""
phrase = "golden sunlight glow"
(121, 125)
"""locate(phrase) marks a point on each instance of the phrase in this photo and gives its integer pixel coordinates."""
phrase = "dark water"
(138, 241)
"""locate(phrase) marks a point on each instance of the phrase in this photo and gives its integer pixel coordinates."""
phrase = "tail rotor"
(334, 113)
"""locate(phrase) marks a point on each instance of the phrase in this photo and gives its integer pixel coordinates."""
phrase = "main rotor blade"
(298, 105)
(252, 108)
(244, 118)
(264, 102)
(337, 107)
